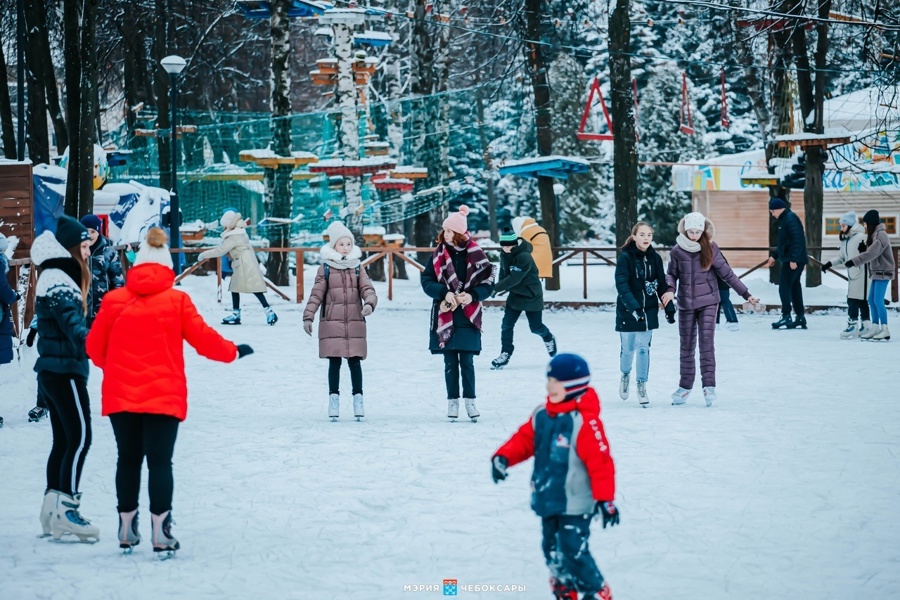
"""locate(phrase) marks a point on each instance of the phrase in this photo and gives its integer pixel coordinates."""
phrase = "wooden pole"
(298, 261)
(390, 274)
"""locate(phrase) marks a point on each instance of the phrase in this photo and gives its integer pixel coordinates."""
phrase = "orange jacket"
(138, 340)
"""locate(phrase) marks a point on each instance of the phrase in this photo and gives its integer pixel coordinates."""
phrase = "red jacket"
(573, 467)
(138, 340)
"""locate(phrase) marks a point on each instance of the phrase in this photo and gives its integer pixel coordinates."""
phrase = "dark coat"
(106, 273)
(790, 246)
(466, 337)
(640, 282)
(7, 298)
(519, 276)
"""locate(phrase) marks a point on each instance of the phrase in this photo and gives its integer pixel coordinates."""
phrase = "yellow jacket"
(528, 229)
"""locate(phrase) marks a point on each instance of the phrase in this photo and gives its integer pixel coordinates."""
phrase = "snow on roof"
(51, 171)
(374, 230)
(862, 110)
(534, 160)
(409, 170)
(374, 35)
(373, 161)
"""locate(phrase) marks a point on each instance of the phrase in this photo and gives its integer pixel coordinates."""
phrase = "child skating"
(344, 297)
(519, 277)
(853, 241)
(574, 477)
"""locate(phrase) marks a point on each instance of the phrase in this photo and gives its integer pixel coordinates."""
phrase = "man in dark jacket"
(790, 249)
(106, 268)
(519, 277)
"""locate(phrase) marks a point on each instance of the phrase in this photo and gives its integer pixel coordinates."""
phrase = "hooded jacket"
(790, 245)
(138, 340)
(59, 309)
(537, 236)
(573, 468)
(246, 277)
(106, 273)
(857, 284)
(640, 282)
(878, 256)
(519, 276)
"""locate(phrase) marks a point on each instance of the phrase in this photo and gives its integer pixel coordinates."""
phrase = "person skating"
(106, 268)
(640, 284)
(519, 277)
(573, 479)
(8, 297)
(790, 249)
(61, 295)
(246, 277)
(138, 340)
(457, 278)
(853, 237)
(879, 259)
(725, 305)
(693, 265)
(344, 295)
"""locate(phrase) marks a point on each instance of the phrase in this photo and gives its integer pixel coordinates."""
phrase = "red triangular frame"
(687, 121)
(582, 134)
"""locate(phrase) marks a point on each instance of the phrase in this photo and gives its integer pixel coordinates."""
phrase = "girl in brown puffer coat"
(344, 296)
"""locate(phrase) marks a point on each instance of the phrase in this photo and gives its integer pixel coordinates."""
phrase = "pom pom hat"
(572, 371)
(508, 237)
(154, 249)
(456, 222)
(337, 231)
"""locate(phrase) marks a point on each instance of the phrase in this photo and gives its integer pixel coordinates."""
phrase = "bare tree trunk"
(780, 57)
(6, 117)
(485, 149)
(38, 136)
(161, 39)
(72, 55)
(421, 85)
(52, 89)
(87, 133)
(624, 139)
(282, 194)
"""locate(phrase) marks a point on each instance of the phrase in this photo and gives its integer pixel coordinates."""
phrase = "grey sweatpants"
(691, 323)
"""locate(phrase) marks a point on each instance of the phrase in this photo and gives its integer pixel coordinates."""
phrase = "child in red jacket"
(573, 478)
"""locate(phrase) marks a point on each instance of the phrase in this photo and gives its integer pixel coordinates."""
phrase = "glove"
(18, 296)
(307, 327)
(861, 247)
(244, 350)
(826, 266)
(498, 468)
(609, 511)
(32, 333)
(367, 310)
(670, 312)
(848, 264)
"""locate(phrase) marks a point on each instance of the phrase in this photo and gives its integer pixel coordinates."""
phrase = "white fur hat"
(154, 249)
(230, 219)
(695, 221)
(336, 231)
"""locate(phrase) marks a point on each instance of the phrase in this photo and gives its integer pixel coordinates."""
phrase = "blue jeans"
(726, 306)
(631, 341)
(876, 301)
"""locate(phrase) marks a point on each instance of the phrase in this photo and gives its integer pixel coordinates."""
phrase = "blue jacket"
(7, 298)
(790, 245)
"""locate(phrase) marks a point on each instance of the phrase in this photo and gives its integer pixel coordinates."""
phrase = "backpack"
(327, 270)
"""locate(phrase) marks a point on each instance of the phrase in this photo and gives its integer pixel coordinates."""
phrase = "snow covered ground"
(787, 488)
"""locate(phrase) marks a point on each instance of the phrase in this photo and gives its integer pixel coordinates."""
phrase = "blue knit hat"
(572, 371)
(777, 203)
(849, 219)
(91, 222)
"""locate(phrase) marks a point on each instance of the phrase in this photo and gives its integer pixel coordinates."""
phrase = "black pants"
(855, 307)
(139, 435)
(236, 300)
(791, 290)
(454, 363)
(334, 374)
(70, 420)
(566, 551)
(535, 323)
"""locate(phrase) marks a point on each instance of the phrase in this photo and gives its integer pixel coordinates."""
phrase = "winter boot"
(453, 408)
(798, 323)
(271, 317)
(604, 594)
(561, 591)
(852, 331)
(883, 335)
(784, 321)
(680, 396)
(334, 406)
(471, 410)
(234, 318)
(36, 414)
(51, 497)
(550, 345)
(128, 531)
(67, 519)
(358, 408)
(623, 385)
(870, 331)
(709, 394)
(162, 539)
(642, 393)
(501, 361)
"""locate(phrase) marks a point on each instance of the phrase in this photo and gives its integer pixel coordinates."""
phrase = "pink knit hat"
(457, 221)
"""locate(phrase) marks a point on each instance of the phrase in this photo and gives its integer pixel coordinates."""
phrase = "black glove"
(244, 350)
(29, 341)
(848, 264)
(862, 247)
(498, 468)
(670, 311)
(609, 511)
(18, 296)
(826, 266)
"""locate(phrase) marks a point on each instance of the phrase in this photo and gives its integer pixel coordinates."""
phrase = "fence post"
(299, 270)
(584, 272)
(390, 274)
(895, 286)
(219, 279)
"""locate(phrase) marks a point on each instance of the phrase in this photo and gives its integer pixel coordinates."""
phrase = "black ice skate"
(164, 545)
(784, 321)
(501, 361)
(36, 414)
(550, 345)
(798, 323)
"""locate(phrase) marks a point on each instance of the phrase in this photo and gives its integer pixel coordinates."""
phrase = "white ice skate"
(709, 394)
(853, 330)
(334, 406)
(471, 410)
(680, 396)
(642, 393)
(733, 326)
(453, 408)
(51, 497)
(163, 543)
(870, 332)
(623, 385)
(129, 537)
(67, 519)
(358, 409)
(883, 335)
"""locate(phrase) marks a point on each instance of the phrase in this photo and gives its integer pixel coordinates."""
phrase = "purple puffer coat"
(698, 287)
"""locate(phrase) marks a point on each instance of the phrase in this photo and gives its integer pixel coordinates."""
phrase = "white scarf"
(687, 244)
(337, 260)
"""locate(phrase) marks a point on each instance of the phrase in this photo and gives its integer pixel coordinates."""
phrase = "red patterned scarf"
(478, 271)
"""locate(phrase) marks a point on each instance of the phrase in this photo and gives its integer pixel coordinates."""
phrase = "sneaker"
(471, 410)
(680, 396)
(733, 326)
(642, 393)
(453, 408)
(501, 361)
(36, 414)
(550, 346)
(709, 394)
(234, 318)
(623, 385)
(271, 317)
(851, 332)
(883, 335)
(334, 406)
(870, 332)
(358, 408)
(784, 321)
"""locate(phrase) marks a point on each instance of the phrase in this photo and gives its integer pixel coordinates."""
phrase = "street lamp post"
(174, 65)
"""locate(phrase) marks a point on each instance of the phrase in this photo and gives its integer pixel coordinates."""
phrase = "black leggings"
(236, 300)
(456, 362)
(70, 420)
(334, 374)
(139, 435)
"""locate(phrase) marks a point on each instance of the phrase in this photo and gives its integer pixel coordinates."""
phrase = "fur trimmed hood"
(710, 229)
(339, 261)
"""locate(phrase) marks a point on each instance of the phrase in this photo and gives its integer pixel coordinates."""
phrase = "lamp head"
(173, 64)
